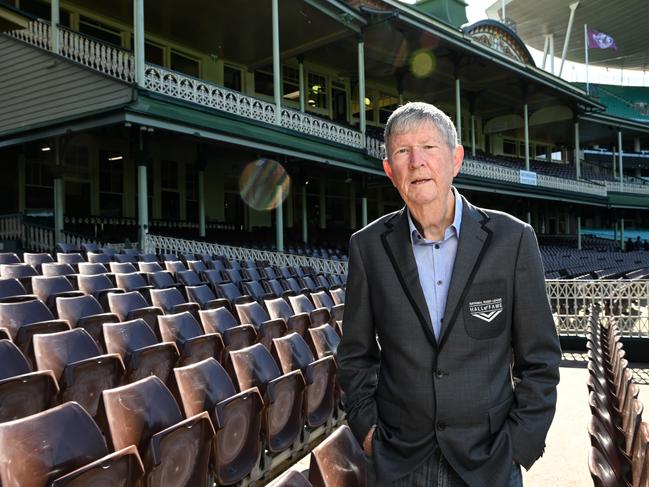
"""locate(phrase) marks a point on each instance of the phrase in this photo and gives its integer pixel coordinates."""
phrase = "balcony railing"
(619, 187)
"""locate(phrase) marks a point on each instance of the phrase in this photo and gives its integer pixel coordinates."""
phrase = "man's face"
(421, 165)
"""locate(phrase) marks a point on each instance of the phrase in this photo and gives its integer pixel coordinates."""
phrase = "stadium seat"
(92, 268)
(197, 266)
(67, 248)
(279, 308)
(232, 293)
(235, 336)
(99, 258)
(58, 269)
(171, 301)
(337, 295)
(149, 266)
(125, 259)
(292, 353)
(174, 266)
(292, 478)
(134, 281)
(283, 394)
(37, 259)
(23, 392)
(193, 344)
(85, 312)
(174, 451)
(98, 286)
(147, 258)
(141, 352)
(602, 473)
(122, 267)
(640, 458)
(9, 258)
(22, 272)
(337, 461)
(323, 340)
(62, 447)
(213, 277)
(256, 291)
(267, 329)
(12, 290)
(49, 289)
(81, 370)
(72, 259)
(236, 417)
(204, 297)
(131, 306)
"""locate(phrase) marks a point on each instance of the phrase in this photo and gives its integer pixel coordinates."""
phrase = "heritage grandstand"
(161, 163)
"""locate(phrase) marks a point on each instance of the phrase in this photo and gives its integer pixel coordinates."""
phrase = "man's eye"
(429, 147)
(403, 150)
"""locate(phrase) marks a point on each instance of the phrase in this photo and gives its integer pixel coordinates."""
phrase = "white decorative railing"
(374, 147)
(11, 227)
(109, 60)
(158, 244)
(618, 187)
(177, 85)
(623, 302)
(570, 185)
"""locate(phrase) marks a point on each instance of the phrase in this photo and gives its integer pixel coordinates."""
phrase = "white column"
(305, 221)
(201, 203)
(364, 211)
(527, 137)
(529, 218)
(400, 99)
(302, 85)
(279, 221)
(552, 53)
(458, 111)
(578, 233)
(636, 144)
(573, 6)
(622, 243)
(277, 75)
(473, 135)
(138, 40)
(54, 21)
(323, 205)
(621, 151)
(143, 202)
(577, 152)
(614, 163)
(59, 195)
(361, 87)
(352, 206)
(546, 48)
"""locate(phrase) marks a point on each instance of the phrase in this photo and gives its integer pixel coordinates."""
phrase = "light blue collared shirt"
(435, 261)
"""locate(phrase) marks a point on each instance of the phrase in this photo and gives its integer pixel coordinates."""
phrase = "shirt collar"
(454, 227)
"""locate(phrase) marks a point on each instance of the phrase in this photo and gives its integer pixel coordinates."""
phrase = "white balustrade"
(617, 187)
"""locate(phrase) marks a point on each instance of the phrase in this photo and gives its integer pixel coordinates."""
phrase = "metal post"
(577, 152)
(277, 79)
(400, 99)
(578, 233)
(138, 39)
(621, 169)
(573, 7)
(502, 7)
(552, 53)
(54, 21)
(302, 85)
(59, 200)
(143, 202)
(352, 206)
(364, 211)
(546, 48)
(586, 56)
(305, 222)
(323, 205)
(458, 111)
(361, 87)
(201, 204)
(529, 217)
(527, 138)
(473, 135)
(614, 163)
(622, 244)
(279, 223)
(636, 144)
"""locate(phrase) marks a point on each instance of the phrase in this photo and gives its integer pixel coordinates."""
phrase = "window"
(191, 189)
(43, 11)
(232, 78)
(76, 163)
(169, 175)
(111, 183)
(153, 53)
(510, 147)
(556, 154)
(291, 83)
(185, 64)
(264, 83)
(317, 91)
(540, 152)
(369, 106)
(100, 31)
(387, 104)
(169, 196)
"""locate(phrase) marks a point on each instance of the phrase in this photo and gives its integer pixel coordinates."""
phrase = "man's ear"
(458, 157)
(388, 169)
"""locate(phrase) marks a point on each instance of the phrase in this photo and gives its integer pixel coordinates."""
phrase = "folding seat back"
(308, 283)
(90, 268)
(37, 259)
(286, 272)
(167, 257)
(48, 289)
(291, 284)
(22, 392)
(171, 301)
(134, 252)
(186, 257)
(138, 346)
(197, 266)
(81, 370)
(275, 287)
(251, 274)
(71, 258)
(206, 386)
(109, 250)
(301, 304)
(338, 460)
(231, 292)
(292, 478)
(213, 276)
(601, 471)
(67, 248)
(9, 258)
(323, 340)
(131, 281)
(174, 266)
(279, 308)
(22, 272)
(233, 275)
(131, 305)
(194, 345)
(145, 414)
(233, 264)
(122, 267)
(149, 266)
(57, 269)
(162, 279)
(148, 258)
(640, 459)
(321, 281)
(204, 297)
(216, 265)
(99, 286)
(42, 449)
(98, 258)
(269, 273)
(322, 300)
(125, 259)
(283, 394)
(12, 290)
(337, 295)
(85, 312)
(267, 329)
(255, 290)
(235, 336)
(188, 278)
(90, 247)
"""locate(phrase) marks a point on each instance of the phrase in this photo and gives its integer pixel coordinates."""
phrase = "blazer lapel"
(474, 239)
(396, 240)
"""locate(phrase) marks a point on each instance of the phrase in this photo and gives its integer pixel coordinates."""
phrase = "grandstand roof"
(625, 21)
(12, 18)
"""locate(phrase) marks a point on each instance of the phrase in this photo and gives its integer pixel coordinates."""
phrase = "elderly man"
(449, 357)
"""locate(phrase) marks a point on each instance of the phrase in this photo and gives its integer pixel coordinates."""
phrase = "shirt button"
(441, 426)
(436, 246)
(439, 283)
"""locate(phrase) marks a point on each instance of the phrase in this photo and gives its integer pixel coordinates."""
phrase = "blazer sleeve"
(358, 352)
(537, 354)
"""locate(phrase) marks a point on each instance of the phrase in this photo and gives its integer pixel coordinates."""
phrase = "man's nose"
(416, 157)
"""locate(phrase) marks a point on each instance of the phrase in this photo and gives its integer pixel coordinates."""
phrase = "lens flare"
(422, 63)
(264, 184)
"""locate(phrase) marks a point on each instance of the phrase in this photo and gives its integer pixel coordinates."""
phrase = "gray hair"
(413, 114)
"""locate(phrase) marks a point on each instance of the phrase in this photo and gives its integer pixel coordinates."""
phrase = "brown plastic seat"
(85, 312)
(49, 289)
(122, 267)
(206, 386)
(125, 259)
(134, 281)
(275, 287)
(234, 276)
(197, 266)
(23, 392)
(338, 461)
(231, 292)
(130, 306)
(337, 295)
(235, 336)
(283, 394)
(292, 353)
(147, 258)
(58, 269)
(631, 419)
(9, 258)
(167, 257)
(62, 447)
(292, 478)
(149, 266)
(98, 286)
(22, 272)
(162, 280)
(23, 319)
(301, 303)
(213, 276)
(67, 247)
(205, 298)
(291, 284)
(98, 258)
(607, 445)
(88, 247)
(92, 268)
(193, 344)
(171, 301)
(640, 458)
(267, 329)
(601, 471)
(141, 353)
(72, 258)
(279, 308)
(82, 372)
(175, 452)
(322, 300)
(256, 290)
(323, 340)
(12, 290)
(188, 278)
(37, 259)
(174, 266)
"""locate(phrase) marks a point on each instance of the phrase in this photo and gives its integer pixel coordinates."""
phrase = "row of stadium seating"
(619, 438)
(561, 262)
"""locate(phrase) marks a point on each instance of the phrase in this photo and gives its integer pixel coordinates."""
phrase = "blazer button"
(441, 426)
(439, 373)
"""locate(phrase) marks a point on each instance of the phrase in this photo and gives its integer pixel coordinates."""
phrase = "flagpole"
(586, 55)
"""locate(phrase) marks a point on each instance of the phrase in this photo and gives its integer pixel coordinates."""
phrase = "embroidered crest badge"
(487, 309)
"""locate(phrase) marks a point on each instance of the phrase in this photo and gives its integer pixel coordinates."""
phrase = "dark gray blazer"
(458, 393)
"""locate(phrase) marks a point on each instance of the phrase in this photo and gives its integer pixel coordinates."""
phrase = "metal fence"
(624, 302)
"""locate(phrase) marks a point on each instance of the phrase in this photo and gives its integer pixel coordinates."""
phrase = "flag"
(599, 40)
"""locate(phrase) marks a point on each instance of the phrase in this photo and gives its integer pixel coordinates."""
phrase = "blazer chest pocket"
(485, 310)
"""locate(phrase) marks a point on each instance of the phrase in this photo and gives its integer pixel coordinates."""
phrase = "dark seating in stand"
(49, 289)
(12, 290)
(323, 340)
(235, 336)
(130, 306)
(85, 312)
(98, 286)
(279, 308)
(205, 298)
(22, 272)
(193, 344)
(90, 268)
(338, 461)
(172, 302)
(9, 258)
(37, 259)
(267, 329)
(134, 281)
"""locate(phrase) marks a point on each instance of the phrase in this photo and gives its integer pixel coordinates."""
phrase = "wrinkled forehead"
(422, 128)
